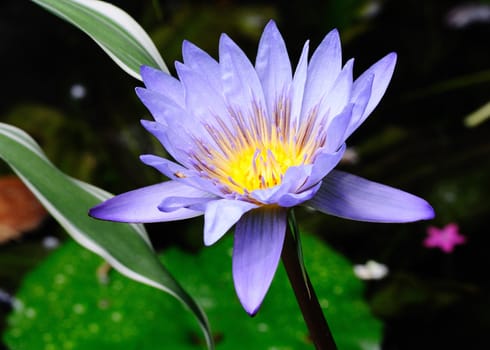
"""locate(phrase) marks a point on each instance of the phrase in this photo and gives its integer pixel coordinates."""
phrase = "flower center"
(260, 166)
(255, 153)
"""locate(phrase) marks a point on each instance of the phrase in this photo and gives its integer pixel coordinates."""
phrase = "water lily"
(250, 142)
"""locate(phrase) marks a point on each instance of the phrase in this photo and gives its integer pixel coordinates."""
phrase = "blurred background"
(429, 136)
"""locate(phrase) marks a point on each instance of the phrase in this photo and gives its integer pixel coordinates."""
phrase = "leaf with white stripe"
(126, 247)
(117, 33)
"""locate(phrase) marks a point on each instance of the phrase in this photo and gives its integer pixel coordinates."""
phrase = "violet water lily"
(249, 142)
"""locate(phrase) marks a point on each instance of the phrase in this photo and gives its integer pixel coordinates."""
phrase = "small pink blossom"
(445, 238)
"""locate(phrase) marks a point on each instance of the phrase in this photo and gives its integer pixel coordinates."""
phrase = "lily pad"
(62, 305)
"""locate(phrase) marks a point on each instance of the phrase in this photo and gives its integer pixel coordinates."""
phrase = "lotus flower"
(249, 142)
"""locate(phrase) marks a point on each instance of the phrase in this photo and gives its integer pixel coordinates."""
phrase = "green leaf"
(58, 304)
(125, 247)
(117, 33)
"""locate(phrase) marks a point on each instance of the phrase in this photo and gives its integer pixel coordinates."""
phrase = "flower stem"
(307, 300)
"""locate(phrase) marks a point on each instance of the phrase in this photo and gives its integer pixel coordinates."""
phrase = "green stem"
(305, 294)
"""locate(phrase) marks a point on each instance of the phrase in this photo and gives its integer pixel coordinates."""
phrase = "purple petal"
(221, 215)
(298, 86)
(241, 84)
(382, 71)
(168, 168)
(324, 67)
(163, 83)
(160, 106)
(181, 174)
(141, 205)
(171, 204)
(200, 61)
(335, 101)
(355, 198)
(293, 179)
(293, 199)
(360, 99)
(273, 66)
(202, 100)
(174, 146)
(259, 237)
(181, 127)
(324, 163)
(337, 129)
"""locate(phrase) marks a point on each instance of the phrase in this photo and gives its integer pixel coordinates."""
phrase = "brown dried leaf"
(20, 211)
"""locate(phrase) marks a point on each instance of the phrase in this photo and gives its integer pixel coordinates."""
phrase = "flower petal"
(202, 100)
(337, 129)
(382, 72)
(298, 86)
(259, 237)
(324, 67)
(273, 66)
(355, 198)
(221, 215)
(241, 84)
(338, 96)
(324, 163)
(291, 199)
(200, 61)
(141, 205)
(171, 144)
(181, 174)
(173, 203)
(360, 98)
(163, 83)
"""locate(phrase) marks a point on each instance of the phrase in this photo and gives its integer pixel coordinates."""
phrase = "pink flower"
(445, 238)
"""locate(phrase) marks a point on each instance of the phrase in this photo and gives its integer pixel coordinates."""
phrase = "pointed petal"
(298, 86)
(163, 83)
(160, 106)
(182, 127)
(174, 146)
(324, 67)
(141, 205)
(355, 198)
(221, 215)
(293, 199)
(337, 98)
(200, 61)
(259, 237)
(202, 100)
(168, 168)
(241, 84)
(382, 71)
(324, 163)
(181, 174)
(337, 129)
(360, 98)
(173, 203)
(273, 66)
